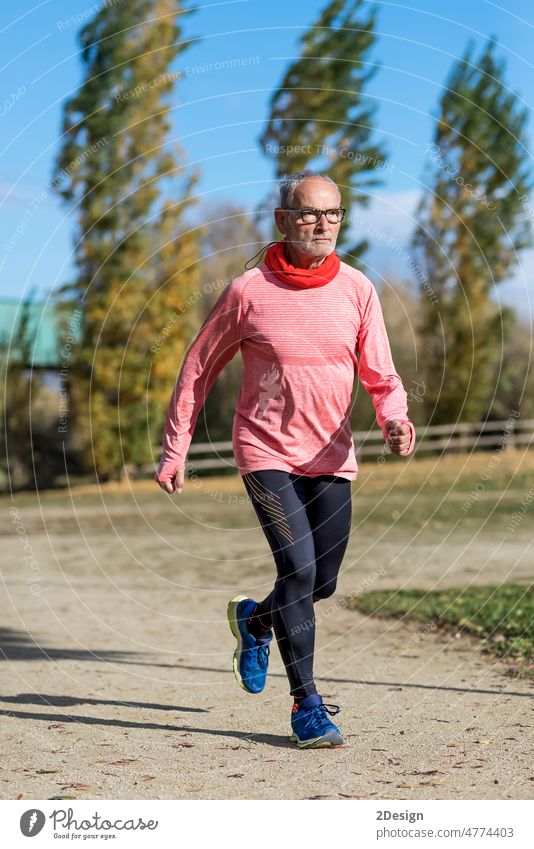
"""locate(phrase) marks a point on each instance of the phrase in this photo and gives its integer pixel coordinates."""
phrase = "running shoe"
(312, 729)
(251, 657)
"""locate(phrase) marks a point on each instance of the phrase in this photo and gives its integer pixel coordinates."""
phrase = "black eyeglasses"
(309, 215)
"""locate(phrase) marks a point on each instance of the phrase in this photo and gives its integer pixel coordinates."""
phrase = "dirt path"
(117, 680)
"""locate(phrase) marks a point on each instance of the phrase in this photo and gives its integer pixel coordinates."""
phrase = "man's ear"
(279, 218)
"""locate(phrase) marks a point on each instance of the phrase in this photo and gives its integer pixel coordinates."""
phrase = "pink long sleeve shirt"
(302, 349)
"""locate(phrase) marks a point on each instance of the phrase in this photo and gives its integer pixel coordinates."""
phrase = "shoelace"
(263, 655)
(318, 712)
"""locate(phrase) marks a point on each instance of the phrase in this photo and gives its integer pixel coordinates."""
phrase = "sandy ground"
(117, 678)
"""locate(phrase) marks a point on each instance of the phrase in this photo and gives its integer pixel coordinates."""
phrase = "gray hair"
(290, 183)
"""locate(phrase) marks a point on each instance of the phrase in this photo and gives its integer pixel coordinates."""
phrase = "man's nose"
(323, 221)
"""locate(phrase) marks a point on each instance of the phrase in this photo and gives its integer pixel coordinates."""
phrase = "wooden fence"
(494, 435)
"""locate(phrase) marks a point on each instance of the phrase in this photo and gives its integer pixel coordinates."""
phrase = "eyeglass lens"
(333, 216)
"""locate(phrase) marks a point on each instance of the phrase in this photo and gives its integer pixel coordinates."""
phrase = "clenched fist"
(173, 482)
(398, 436)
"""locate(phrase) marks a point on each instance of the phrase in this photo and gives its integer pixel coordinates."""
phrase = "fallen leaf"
(46, 771)
(236, 775)
(428, 772)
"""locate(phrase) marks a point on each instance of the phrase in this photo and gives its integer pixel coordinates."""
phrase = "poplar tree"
(135, 255)
(232, 237)
(472, 224)
(321, 117)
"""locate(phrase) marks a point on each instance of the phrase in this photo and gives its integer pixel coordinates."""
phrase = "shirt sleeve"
(215, 344)
(376, 370)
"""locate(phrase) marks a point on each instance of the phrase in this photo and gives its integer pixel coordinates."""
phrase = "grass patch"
(502, 615)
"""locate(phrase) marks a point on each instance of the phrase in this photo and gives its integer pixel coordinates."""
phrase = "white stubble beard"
(315, 249)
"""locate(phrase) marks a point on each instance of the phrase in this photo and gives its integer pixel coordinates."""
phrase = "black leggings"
(307, 523)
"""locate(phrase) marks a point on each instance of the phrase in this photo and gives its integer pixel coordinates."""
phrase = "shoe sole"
(232, 620)
(329, 740)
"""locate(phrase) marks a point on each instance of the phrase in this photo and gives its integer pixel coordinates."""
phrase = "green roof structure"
(52, 330)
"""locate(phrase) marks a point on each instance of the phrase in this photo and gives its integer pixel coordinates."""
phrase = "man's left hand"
(398, 436)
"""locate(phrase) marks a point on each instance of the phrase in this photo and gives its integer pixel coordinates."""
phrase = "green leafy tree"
(471, 227)
(136, 257)
(231, 237)
(320, 114)
(515, 380)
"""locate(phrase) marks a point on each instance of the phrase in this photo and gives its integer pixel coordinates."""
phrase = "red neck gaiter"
(306, 278)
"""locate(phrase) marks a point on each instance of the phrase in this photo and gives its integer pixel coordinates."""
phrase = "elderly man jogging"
(306, 324)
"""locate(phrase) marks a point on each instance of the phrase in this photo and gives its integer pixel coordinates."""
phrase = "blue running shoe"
(251, 657)
(312, 729)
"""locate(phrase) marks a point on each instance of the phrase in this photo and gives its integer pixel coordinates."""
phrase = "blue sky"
(219, 113)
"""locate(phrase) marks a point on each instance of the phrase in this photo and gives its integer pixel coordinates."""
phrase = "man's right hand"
(174, 483)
